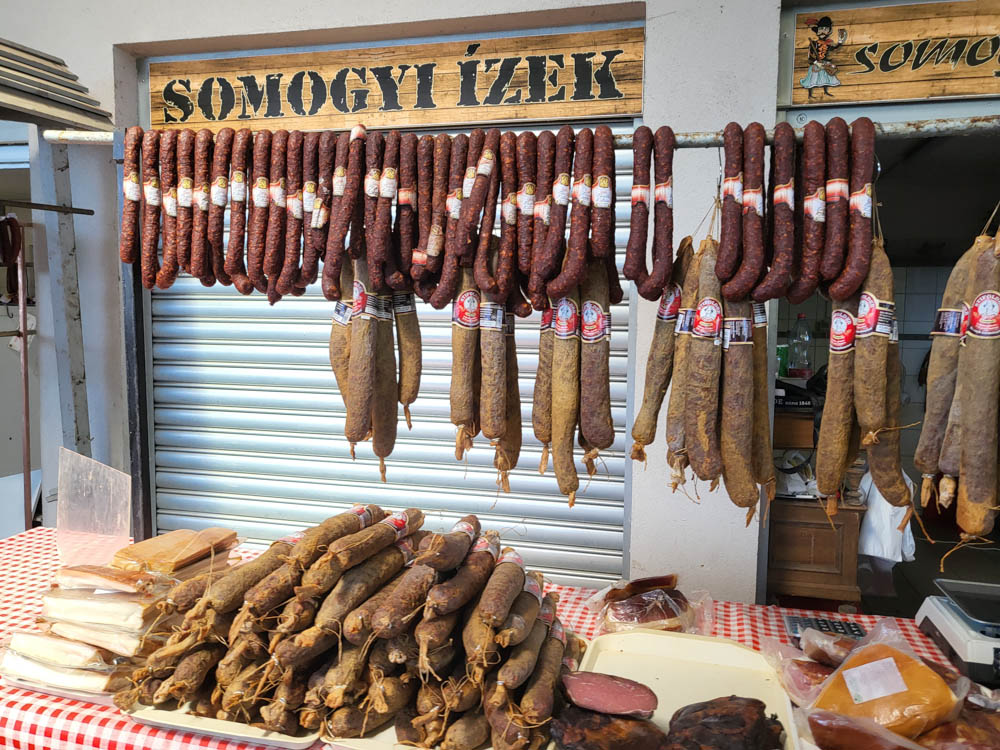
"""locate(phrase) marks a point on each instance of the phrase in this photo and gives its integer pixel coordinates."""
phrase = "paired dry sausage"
(859, 242)
(752, 263)
(776, 281)
(168, 187)
(128, 240)
(813, 212)
(651, 286)
(732, 203)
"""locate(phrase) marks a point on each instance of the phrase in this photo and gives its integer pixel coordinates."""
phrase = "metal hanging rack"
(22, 333)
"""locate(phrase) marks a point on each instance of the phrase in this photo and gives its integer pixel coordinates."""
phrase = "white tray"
(684, 669)
(230, 730)
(101, 699)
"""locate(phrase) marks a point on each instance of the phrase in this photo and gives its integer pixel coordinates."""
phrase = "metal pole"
(46, 207)
(80, 137)
(22, 325)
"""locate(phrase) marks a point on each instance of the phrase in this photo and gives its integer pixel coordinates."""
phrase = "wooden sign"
(549, 77)
(897, 52)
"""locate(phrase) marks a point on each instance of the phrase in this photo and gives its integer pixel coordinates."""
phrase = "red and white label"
(294, 204)
(220, 191)
(567, 322)
(360, 297)
(200, 197)
(509, 209)
(185, 193)
(861, 201)
(875, 316)
(785, 194)
(464, 527)
(836, 190)
(486, 543)
(339, 182)
(547, 615)
(753, 200)
(387, 184)
(548, 316)
(732, 187)
(602, 193)
(532, 586)
(320, 215)
(170, 202)
(984, 315)
(151, 190)
(277, 190)
(595, 322)
(131, 188)
(261, 193)
(406, 197)
(468, 182)
(541, 210)
(486, 162)
(663, 192)
(435, 241)
(815, 206)
(453, 204)
(707, 318)
(640, 194)
(405, 546)
(842, 331)
(358, 131)
(292, 538)
(561, 189)
(308, 196)
(526, 199)
(510, 555)
(670, 303)
(465, 309)
(582, 190)
(558, 632)
(397, 522)
(372, 182)
(364, 516)
(238, 187)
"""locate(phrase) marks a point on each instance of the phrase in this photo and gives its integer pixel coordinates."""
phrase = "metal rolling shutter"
(248, 430)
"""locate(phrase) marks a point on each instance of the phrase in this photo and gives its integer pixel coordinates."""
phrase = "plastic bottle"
(798, 350)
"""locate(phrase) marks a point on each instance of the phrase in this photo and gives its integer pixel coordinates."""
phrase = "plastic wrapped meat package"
(653, 603)
(50, 661)
(800, 676)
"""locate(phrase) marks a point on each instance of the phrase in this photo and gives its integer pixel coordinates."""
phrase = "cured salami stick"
(340, 220)
(979, 383)
(736, 422)
(942, 370)
(596, 423)
(752, 262)
(575, 263)
(428, 257)
(493, 383)
(274, 246)
(410, 353)
(776, 281)
(168, 187)
(859, 243)
(602, 214)
(552, 250)
(838, 408)
(261, 197)
(466, 236)
(837, 198)
(325, 204)
(474, 201)
(951, 451)
(541, 403)
(219, 198)
(448, 282)
(876, 311)
(565, 404)
(185, 194)
(616, 294)
(546, 148)
(201, 264)
(406, 208)
(423, 204)
(651, 286)
(463, 393)
(506, 270)
(487, 251)
(814, 213)
(340, 335)
(310, 185)
(129, 236)
(385, 412)
(660, 362)
(527, 162)
(289, 273)
(151, 201)
(361, 376)
(238, 179)
(763, 456)
(730, 233)
(676, 443)
(508, 447)
(388, 188)
(376, 232)
(635, 254)
(701, 398)
(884, 460)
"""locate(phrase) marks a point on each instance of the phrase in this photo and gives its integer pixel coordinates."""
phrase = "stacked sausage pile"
(365, 619)
(958, 441)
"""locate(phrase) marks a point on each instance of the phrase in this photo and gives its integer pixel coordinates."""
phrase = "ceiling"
(935, 195)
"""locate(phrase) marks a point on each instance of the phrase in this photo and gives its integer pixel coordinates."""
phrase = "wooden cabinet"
(810, 555)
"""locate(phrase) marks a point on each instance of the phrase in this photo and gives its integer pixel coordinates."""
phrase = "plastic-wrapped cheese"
(890, 687)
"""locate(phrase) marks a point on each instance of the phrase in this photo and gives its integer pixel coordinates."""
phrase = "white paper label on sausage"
(397, 521)
(511, 556)
(342, 316)
(532, 587)
(663, 192)
(294, 204)
(185, 193)
(321, 214)
(487, 544)
(640, 194)
(466, 528)
(468, 182)
(238, 187)
(581, 190)
(509, 209)
(278, 195)
(435, 241)
(131, 188)
(309, 197)
(170, 202)
(558, 632)
(837, 189)
(454, 204)
(491, 316)
(733, 186)
(339, 182)
(815, 205)
(260, 193)
(753, 200)
(364, 515)
(151, 192)
(201, 197)
(220, 192)
(602, 194)
(759, 314)
(406, 197)
(403, 303)
(486, 162)
(387, 184)
(526, 199)
(542, 211)
(861, 201)
(371, 183)
(358, 131)
(561, 189)
(785, 194)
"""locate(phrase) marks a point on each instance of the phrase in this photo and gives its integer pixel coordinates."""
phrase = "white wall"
(706, 63)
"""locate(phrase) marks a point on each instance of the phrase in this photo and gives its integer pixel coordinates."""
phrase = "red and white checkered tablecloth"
(36, 721)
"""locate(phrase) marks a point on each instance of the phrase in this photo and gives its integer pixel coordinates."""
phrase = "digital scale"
(965, 624)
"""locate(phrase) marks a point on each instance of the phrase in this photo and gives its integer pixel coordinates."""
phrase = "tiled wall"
(918, 293)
